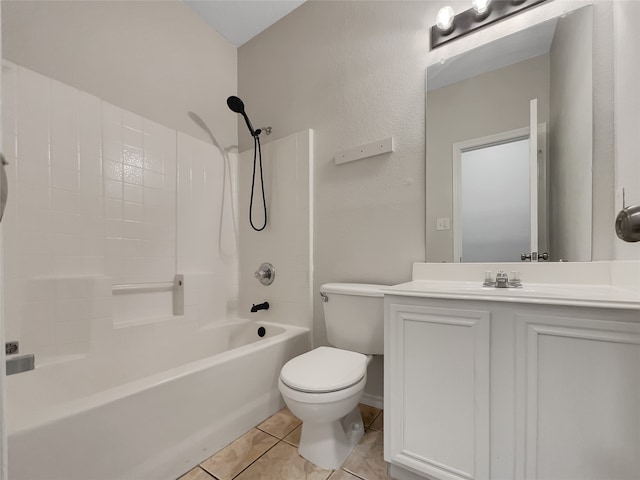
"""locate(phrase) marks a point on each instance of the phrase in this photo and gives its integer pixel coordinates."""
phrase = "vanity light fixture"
(444, 19)
(483, 12)
(481, 7)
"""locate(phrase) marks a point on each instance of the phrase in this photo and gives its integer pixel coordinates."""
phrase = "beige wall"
(353, 72)
(465, 111)
(155, 58)
(627, 116)
(570, 138)
(603, 132)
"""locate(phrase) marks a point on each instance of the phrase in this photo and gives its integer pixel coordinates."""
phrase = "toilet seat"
(324, 370)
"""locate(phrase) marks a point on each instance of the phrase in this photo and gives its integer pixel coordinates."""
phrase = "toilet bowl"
(324, 386)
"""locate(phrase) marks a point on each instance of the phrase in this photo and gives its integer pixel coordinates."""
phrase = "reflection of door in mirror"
(494, 205)
(493, 200)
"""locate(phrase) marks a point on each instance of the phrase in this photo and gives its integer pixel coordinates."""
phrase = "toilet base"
(329, 444)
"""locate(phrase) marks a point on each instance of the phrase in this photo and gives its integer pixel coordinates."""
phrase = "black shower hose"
(257, 153)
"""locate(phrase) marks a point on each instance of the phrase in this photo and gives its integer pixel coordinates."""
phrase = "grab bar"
(20, 364)
(176, 288)
(121, 288)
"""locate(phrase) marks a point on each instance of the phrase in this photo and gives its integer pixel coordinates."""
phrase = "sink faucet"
(502, 280)
(260, 306)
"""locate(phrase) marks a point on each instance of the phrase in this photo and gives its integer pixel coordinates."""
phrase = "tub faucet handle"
(265, 274)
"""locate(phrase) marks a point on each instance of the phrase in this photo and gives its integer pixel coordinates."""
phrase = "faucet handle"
(514, 280)
(265, 274)
(502, 280)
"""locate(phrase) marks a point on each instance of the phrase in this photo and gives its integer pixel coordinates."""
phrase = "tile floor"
(270, 452)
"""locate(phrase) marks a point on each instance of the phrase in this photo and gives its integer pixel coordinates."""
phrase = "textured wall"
(354, 72)
(155, 58)
(627, 116)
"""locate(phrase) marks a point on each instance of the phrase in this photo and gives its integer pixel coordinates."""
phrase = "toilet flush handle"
(324, 297)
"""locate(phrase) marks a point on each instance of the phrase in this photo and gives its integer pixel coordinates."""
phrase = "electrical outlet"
(443, 223)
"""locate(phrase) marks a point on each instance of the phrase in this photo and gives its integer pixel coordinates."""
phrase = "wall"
(627, 114)
(101, 196)
(95, 217)
(461, 112)
(155, 58)
(571, 113)
(286, 242)
(353, 72)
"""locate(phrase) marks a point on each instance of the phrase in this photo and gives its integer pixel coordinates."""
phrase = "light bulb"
(444, 19)
(481, 6)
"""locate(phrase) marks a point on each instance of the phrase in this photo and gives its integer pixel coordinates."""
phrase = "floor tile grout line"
(263, 454)
(352, 474)
(272, 436)
(275, 436)
(208, 473)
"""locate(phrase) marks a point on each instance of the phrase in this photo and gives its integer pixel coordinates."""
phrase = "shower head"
(236, 105)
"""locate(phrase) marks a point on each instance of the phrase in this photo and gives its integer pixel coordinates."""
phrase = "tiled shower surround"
(101, 196)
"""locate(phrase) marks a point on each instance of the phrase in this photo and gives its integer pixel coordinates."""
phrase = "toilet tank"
(354, 316)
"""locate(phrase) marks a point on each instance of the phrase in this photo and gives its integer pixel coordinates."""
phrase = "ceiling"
(241, 20)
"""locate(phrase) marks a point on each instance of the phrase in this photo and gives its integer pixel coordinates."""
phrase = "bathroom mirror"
(485, 203)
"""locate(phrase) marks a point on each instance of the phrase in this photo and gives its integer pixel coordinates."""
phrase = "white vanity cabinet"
(480, 389)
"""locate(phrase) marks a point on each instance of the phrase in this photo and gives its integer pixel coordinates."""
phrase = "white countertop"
(602, 296)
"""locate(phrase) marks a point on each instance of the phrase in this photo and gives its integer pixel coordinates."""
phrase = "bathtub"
(83, 419)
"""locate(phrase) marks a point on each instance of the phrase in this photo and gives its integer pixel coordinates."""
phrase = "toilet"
(323, 387)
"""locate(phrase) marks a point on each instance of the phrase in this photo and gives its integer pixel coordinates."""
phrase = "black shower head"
(236, 105)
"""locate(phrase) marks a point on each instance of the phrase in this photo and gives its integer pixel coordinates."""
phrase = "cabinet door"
(437, 383)
(578, 399)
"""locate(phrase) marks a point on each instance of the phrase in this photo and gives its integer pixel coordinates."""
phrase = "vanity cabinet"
(501, 390)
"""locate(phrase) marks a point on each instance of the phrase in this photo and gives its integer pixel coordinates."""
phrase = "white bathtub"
(82, 419)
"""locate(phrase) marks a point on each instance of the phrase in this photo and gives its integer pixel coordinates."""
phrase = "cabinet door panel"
(441, 379)
(581, 392)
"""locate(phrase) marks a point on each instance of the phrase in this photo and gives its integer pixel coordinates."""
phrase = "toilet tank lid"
(362, 289)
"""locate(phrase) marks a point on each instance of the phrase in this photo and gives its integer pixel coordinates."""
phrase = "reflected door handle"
(22, 363)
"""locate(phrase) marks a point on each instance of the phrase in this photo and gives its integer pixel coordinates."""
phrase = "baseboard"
(372, 400)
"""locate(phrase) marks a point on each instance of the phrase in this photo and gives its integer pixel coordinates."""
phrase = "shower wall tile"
(140, 232)
(206, 207)
(9, 111)
(94, 201)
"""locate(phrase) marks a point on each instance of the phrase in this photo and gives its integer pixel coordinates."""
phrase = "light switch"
(443, 223)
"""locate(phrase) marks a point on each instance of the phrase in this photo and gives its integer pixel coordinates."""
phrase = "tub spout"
(260, 306)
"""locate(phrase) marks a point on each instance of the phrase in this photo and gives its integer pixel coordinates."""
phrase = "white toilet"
(323, 387)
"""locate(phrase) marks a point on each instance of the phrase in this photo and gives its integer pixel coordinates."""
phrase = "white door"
(533, 175)
(3, 430)
(499, 194)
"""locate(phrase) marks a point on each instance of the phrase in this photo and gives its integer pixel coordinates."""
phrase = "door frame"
(497, 139)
